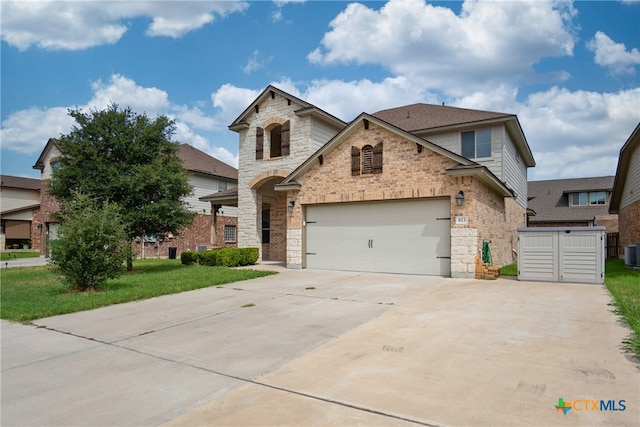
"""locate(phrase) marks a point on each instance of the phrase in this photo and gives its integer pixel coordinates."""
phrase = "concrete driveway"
(327, 348)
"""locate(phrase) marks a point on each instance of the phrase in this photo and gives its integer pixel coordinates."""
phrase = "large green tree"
(128, 159)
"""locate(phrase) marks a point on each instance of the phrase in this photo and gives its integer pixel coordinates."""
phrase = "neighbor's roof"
(550, 199)
(624, 161)
(19, 182)
(228, 197)
(198, 161)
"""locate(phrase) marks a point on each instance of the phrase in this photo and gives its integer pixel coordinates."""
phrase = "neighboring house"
(19, 200)
(206, 174)
(625, 200)
(576, 202)
(415, 189)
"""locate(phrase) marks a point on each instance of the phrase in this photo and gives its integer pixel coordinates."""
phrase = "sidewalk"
(25, 262)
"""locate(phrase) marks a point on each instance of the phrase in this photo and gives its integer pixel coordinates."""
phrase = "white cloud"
(612, 55)
(576, 134)
(455, 53)
(125, 92)
(185, 135)
(27, 131)
(77, 25)
(255, 62)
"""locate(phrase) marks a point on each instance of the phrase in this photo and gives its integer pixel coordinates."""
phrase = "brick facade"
(42, 217)
(408, 173)
(189, 238)
(629, 224)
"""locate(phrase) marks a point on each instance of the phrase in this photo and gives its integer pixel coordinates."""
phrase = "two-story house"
(19, 200)
(206, 175)
(573, 202)
(417, 189)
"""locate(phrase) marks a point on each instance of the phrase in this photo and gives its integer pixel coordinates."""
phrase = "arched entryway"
(272, 219)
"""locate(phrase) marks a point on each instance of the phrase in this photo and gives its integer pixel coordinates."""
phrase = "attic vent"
(257, 109)
(320, 159)
(366, 123)
(273, 94)
(419, 147)
(288, 102)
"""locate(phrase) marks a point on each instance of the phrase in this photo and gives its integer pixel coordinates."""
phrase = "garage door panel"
(394, 237)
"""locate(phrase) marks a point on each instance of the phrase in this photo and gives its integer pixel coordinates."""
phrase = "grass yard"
(624, 285)
(31, 293)
(7, 256)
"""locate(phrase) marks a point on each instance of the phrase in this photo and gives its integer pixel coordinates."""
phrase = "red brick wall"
(48, 206)
(629, 224)
(199, 233)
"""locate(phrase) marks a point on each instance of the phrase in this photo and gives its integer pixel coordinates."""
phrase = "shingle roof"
(198, 161)
(19, 182)
(550, 201)
(417, 117)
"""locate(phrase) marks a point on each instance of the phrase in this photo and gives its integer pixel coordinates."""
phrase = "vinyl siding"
(204, 185)
(321, 133)
(13, 198)
(631, 191)
(515, 171)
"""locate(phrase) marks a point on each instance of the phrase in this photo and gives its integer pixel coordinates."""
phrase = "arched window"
(367, 159)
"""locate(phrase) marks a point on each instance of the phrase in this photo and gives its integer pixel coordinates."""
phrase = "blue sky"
(569, 70)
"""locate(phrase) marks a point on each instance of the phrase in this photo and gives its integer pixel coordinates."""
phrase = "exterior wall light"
(460, 198)
(290, 206)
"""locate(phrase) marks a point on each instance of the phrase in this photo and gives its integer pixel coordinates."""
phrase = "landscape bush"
(224, 257)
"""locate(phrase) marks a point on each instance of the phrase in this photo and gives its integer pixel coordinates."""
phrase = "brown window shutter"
(355, 161)
(285, 138)
(377, 158)
(259, 143)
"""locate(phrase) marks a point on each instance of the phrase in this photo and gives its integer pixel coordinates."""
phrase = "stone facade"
(257, 177)
(409, 173)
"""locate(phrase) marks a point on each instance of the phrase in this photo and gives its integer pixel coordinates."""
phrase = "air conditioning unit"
(637, 254)
(201, 248)
(631, 255)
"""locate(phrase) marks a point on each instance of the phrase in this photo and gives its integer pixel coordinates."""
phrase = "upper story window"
(278, 140)
(592, 198)
(476, 144)
(222, 185)
(367, 160)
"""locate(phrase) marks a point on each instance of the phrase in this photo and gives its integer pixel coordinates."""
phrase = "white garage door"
(411, 237)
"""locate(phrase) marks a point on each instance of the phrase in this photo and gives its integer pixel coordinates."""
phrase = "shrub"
(249, 256)
(92, 244)
(226, 257)
(188, 257)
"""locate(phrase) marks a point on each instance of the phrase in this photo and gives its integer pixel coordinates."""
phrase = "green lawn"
(624, 286)
(7, 256)
(30, 293)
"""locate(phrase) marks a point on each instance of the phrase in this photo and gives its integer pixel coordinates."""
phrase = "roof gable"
(270, 91)
(52, 144)
(461, 166)
(624, 162)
